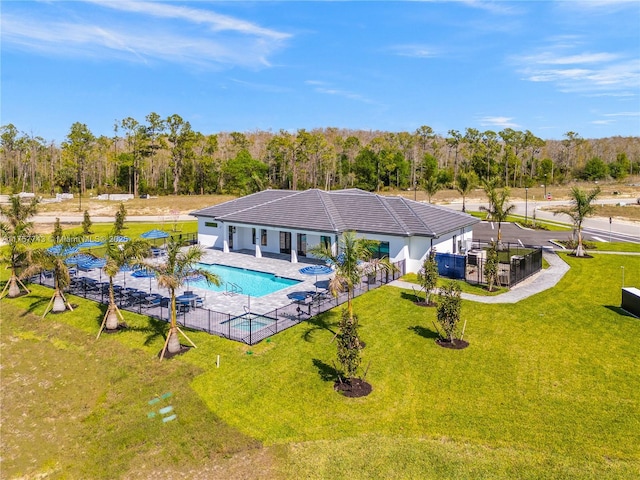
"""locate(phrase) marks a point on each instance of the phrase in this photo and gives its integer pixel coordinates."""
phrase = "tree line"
(166, 156)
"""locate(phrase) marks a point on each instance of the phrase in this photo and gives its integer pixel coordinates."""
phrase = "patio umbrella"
(154, 234)
(93, 263)
(79, 258)
(316, 270)
(90, 244)
(61, 249)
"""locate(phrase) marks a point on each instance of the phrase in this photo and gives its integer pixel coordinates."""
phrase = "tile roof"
(338, 211)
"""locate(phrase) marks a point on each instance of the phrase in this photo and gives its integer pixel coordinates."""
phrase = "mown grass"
(548, 388)
(464, 286)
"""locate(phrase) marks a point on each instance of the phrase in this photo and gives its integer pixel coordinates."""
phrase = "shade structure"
(316, 270)
(63, 250)
(143, 273)
(90, 244)
(93, 263)
(154, 234)
(79, 258)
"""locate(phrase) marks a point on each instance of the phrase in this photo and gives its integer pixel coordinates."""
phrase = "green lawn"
(548, 388)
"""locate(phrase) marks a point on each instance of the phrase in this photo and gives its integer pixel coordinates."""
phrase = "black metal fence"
(515, 263)
(249, 327)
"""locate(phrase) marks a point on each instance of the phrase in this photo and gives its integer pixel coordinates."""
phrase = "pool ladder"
(232, 289)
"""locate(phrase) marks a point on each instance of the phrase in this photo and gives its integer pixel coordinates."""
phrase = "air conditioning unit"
(475, 257)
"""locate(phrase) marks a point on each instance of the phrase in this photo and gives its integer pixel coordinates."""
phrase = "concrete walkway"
(537, 283)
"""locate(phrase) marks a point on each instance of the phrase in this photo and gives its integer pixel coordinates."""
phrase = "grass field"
(548, 388)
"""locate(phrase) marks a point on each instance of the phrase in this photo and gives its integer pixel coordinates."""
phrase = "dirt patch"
(353, 388)
(121, 326)
(456, 344)
(425, 304)
(183, 349)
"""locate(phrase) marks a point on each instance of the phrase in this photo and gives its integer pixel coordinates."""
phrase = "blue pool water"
(252, 282)
(250, 322)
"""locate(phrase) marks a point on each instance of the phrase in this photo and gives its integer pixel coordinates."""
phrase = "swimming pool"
(251, 282)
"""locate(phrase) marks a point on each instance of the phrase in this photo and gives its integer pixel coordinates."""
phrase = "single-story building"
(290, 222)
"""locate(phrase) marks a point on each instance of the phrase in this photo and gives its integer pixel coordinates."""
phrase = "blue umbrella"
(316, 270)
(62, 250)
(92, 263)
(79, 258)
(154, 234)
(90, 244)
(143, 273)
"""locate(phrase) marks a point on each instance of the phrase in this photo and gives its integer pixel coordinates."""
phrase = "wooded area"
(165, 155)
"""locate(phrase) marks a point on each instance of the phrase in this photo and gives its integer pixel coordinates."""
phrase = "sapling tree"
(428, 275)
(121, 215)
(449, 304)
(57, 235)
(87, 223)
(490, 268)
(349, 345)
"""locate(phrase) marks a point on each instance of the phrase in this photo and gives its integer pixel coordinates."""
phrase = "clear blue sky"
(549, 67)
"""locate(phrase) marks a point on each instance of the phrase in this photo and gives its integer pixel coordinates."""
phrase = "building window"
(263, 237)
(211, 224)
(381, 250)
(253, 236)
(325, 241)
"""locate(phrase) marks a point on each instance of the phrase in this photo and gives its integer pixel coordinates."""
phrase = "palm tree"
(55, 260)
(581, 207)
(465, 182)
(498, 209)
(172, 274)
(117, 256)
(15, 231)
(432, 186)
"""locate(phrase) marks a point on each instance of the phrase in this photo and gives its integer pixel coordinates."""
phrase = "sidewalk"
(537, 283)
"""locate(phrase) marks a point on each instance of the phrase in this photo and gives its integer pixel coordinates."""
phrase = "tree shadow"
(319, 322)
(414, 297)
(326, 372)
(620, 311)
(424, 332)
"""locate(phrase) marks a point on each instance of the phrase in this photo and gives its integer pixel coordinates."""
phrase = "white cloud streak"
(602, 73)
(501, 122)
(225, 42)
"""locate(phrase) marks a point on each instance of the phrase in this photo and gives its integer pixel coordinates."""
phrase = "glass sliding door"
(302, 245)
(285, 242)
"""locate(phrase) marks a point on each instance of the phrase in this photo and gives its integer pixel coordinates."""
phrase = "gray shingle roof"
(338, 211)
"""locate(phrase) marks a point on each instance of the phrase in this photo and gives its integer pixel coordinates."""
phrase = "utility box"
(631, 300)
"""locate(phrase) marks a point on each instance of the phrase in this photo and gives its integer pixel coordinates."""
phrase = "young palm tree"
(15, 230)
(581, 208)
(54, 259)
(117, 256)
(498, 209)
(172, 274)
(465, 182)
(432, 186)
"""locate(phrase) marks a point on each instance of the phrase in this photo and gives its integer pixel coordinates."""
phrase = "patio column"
(258, 251)
(225, 246)
(294, 248)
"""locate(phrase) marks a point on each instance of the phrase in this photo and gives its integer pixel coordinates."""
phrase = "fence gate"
(451, 265)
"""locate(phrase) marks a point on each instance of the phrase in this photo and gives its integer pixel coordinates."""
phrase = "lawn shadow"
(620, 311)
(327, 372)
(424, 332)
(414, 297)
(316, 323)
(38, 301)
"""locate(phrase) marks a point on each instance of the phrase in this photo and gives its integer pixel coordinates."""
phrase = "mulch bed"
(353, 388)
(183, 349)
(121, 326)
(425, 304)
(455, 345)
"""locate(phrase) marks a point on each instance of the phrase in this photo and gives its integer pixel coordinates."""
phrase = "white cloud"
(501, 122)
(623, 114)
(603, 73)
(417, 51)
(177, 38)
(343, 93)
